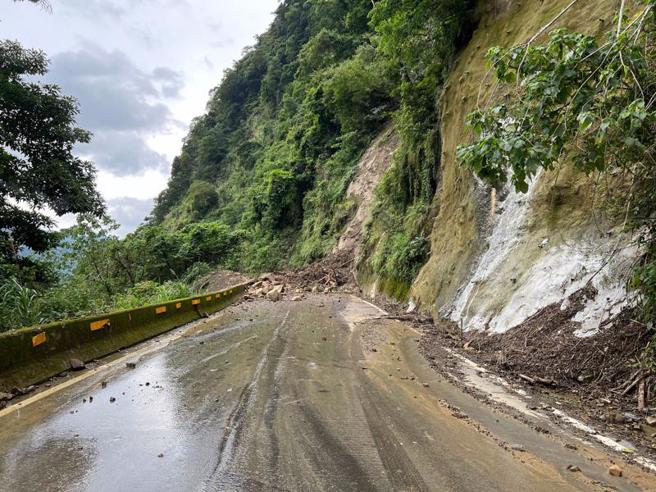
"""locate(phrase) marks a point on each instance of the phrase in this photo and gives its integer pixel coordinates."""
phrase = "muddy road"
(318, 394)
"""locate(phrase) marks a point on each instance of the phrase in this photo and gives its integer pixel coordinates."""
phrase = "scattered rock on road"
(77, 364)
(131, 365)
(573, 468)
(615, 470)
(275, 294)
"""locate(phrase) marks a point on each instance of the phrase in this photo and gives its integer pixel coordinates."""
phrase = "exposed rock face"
(498, 256)
(374, 163)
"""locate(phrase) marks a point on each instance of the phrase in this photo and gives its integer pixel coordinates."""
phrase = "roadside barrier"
(33, 354)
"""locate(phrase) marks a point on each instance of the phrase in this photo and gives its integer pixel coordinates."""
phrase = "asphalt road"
(309, 395)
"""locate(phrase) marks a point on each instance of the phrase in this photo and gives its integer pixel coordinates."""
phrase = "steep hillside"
(498, 257)
(274, 155)
(338, 131)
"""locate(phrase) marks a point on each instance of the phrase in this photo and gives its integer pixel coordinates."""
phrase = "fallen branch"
(641, 395)
(638, 377)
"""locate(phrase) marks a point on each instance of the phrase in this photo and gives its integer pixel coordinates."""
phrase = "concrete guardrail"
(33, 354)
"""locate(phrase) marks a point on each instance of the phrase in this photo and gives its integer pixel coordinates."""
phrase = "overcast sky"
(141, 70)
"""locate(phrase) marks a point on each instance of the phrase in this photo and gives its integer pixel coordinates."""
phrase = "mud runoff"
(595, 378)
(323, 393)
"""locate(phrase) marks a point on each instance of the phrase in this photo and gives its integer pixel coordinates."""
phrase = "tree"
(593, 103)
(37, 167)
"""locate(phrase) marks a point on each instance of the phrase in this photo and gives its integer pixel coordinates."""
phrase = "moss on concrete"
(22, 363)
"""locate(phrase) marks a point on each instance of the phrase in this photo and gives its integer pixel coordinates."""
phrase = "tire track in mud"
(236, 421)
(401, 472)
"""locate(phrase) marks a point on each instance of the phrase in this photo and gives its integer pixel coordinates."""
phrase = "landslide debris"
(596, 378)
(330, 274)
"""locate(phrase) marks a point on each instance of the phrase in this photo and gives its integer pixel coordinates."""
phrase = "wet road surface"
(318, 394)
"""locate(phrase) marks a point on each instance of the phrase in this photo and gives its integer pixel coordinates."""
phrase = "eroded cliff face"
(498, 257)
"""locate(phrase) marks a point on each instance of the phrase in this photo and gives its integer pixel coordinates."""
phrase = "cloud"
(95, 8)
(123, 153)
(113, 92)
(129, 212)
(145, 185)
(120, 103)
(171, 82)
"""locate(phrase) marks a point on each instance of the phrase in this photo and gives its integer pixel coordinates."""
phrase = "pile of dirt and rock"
(330, 274)
(545, 349)
(597, 378)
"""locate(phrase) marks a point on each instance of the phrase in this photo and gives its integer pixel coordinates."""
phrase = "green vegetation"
(273, 155)
(419, 40)
(591, 103)
(37, 167)
(261, 179)
(275, 152)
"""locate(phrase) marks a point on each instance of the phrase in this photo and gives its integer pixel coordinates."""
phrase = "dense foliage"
(93, 271)
(261, 179)
(419, 40)
(277, 148)
(37, 167)
(586, 102)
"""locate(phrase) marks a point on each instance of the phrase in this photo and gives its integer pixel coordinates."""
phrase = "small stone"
(160, 455)
(426, 385)
(6, 396)
(112, 399)
(91, 399)
(131, 365)
(651, 420)
(103, 384)
(615, 470)
(77, 364)
(584, 378)
(573, 468)
(518, 447)
(571, 446)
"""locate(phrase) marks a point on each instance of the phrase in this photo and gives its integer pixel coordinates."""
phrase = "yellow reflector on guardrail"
(178, 305)
(195, 302)
(39, 339)
(160, 310)
(99, 325)
(208, 298)
(218, 296)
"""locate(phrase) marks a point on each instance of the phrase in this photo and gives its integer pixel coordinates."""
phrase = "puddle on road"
(113, 445)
